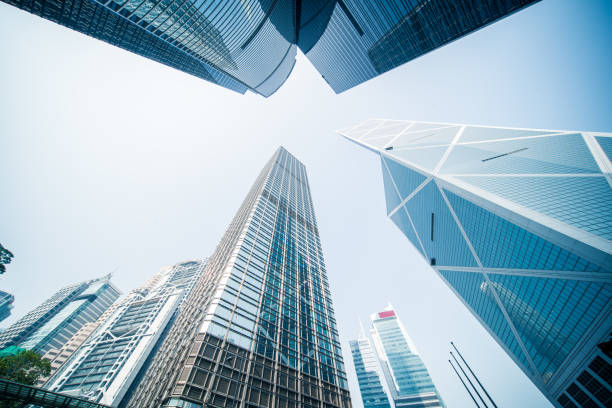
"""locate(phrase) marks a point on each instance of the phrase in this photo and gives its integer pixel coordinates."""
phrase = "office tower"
(105, 366)
(58, 357)
(259, 325)
(518, 223)
(369, 375)
(251, 44)
(55, 321)
(406, 375)
(6, 304)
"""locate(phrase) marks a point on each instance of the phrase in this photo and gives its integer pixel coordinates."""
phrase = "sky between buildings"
(113, 163)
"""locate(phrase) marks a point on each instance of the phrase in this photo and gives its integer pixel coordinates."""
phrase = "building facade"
(518, 223)
(6, 304)
(258, 329)
(369, 374)
(55, 321)
(407, 377)
(252, 44)
(106, 364)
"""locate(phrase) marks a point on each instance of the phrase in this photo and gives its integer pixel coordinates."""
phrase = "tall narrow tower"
(518, 223)
(258, 328)
(407, 377)
(369, 375)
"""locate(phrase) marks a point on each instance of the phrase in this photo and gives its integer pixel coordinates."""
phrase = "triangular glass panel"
(478, 133)
(390, 128)
(606, 145)
(583, 202)
(475, 291)
(427, 126)
(427, 138)
(439, 233)
(550, 315)
(427, 158)
(406, 179)
(378, 142)
(564, 154)
(502, 244)
(400, 218)
(361, 129)
(391, 198)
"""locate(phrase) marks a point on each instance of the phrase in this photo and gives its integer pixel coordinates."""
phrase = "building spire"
(362, 332)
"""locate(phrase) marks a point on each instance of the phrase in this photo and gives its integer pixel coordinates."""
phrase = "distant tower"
(106, 364)
(6, 304)
(56, 320)
(407, 377)
(369, 375)
(395, 375)
(518, 223)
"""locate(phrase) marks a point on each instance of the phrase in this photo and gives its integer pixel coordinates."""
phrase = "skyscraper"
(6, 304)
(518, 223)
(251, 44)
(55, 321)
(369, 374)
(258, 328)
(407, 379)
(105, 366)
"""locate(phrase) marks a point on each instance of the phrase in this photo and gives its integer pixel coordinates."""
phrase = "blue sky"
(112, 162)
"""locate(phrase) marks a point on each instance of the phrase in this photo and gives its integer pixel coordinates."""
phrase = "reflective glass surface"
(251, 44)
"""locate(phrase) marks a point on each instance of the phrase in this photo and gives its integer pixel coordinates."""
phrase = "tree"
(6, 257)
(25, 367)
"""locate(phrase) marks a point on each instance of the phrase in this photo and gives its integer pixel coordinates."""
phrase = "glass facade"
(6, 304)
(258, 329)
(518, 223)
(55, 321)
(407, 376)
(105, 365)
(251, 44)
(369, 375)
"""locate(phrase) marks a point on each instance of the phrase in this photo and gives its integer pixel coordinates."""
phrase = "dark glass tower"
(518, 223)
(251, 44)
(258, 328)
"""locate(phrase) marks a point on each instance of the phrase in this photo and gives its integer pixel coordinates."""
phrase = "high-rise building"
(407, 377)
(6, 304)
(518, 223)
(258, 329)
(369, 375)
(55, 321)
(106, 364)
(251, 44)
(58, 357)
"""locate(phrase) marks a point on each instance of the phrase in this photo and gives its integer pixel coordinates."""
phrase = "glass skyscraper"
(105, 366)
(56, 320)
(251, 44)
(6, 304)
(258, 329)
(407, 381)
(518, 223)
(369, 374)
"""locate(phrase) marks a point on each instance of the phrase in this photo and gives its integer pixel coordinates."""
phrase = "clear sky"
(112, 162)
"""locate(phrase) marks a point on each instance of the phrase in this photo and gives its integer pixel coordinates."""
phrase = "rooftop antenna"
(362, 330)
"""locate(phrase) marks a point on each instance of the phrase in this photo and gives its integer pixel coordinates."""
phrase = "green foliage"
(25, 367)
(5, 258)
